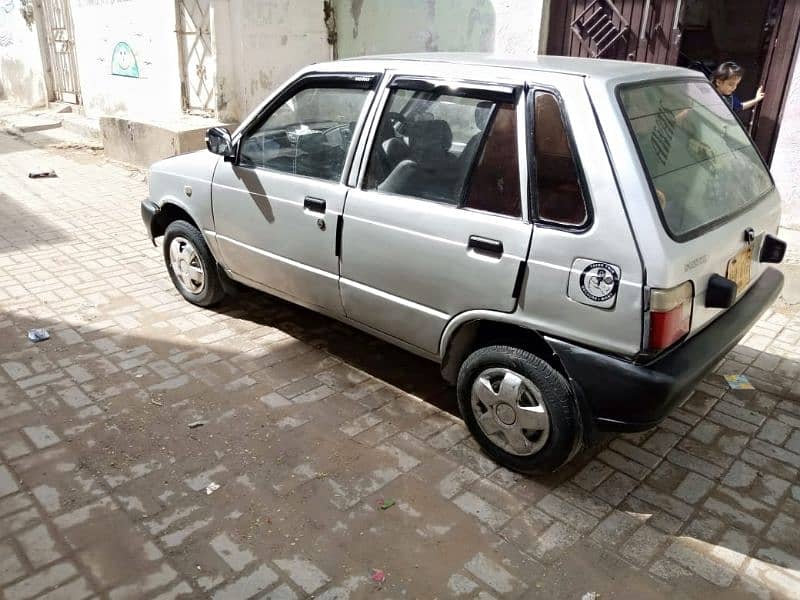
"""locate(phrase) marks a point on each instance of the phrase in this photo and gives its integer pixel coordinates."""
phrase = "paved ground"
(312, 426)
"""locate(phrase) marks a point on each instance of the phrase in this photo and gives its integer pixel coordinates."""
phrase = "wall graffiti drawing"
(123, 61)
(6, 37)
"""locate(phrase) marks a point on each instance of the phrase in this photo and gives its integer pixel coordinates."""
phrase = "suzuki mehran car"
(577, 242)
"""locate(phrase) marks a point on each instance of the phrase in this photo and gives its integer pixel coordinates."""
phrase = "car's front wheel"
(191, 266)
(518, 408)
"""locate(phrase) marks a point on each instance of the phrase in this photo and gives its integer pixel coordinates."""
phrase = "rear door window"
(453, 149)
(494, 185)
(702, 165)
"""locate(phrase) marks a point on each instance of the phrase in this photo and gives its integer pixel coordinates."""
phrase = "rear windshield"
(702, 164)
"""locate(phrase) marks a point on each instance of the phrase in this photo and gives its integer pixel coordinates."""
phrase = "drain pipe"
(330, 24)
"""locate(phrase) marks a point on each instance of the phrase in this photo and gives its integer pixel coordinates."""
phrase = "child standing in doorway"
(726, 79)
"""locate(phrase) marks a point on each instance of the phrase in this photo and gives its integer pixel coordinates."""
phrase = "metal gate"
(61, 51)
(198, 67)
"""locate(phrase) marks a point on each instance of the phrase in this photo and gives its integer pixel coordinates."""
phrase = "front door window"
(308, 135)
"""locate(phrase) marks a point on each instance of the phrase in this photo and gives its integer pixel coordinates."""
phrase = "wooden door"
(775, 77)
(650, 29)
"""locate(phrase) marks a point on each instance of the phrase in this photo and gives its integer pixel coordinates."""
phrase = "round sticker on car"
(599, 281)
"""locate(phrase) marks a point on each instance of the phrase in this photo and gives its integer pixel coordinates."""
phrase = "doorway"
(760, 35)
(714, 32)
(60, 51)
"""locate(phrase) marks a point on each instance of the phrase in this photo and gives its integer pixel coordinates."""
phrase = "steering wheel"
(337, 127)
(398, 121)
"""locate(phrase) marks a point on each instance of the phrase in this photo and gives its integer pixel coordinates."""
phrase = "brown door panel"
(775, 79)
(649, 39)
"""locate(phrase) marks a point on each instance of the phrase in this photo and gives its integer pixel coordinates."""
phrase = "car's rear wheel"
(518, 408)
(191, 266)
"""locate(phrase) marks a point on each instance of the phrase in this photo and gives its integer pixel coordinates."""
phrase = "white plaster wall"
(264, 43)
(148, 27)
(229, 99)
(389, 26)
(786, 160)
(21, 72)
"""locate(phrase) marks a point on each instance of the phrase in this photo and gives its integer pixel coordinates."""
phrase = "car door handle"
(483, 244)
(314, 204)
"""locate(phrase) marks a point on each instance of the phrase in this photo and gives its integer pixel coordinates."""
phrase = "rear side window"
(559, 193)
(452, 149)
(702, 164)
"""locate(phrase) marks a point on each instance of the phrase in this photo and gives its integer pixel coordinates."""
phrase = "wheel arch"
(468, 334)
(169, 212)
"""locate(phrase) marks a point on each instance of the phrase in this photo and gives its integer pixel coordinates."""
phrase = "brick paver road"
(311, 427)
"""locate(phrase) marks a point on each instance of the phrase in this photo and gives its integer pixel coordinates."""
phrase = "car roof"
(595, 68)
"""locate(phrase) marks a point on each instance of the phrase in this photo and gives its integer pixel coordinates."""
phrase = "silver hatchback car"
(577, 242)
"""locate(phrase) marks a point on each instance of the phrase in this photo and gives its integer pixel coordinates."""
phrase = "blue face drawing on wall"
(123, 61)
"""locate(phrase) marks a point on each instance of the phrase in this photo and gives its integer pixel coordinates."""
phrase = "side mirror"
(218, 141)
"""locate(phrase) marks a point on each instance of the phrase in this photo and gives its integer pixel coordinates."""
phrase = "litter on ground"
(378, 576)
(739, 382)
(40, 173)
(38, 335)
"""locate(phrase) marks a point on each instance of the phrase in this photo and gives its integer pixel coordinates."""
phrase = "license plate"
(739, 268)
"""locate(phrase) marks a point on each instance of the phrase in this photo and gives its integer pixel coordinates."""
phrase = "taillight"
(670, 315)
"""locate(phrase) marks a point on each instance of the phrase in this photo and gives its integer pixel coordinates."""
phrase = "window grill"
(600, 27)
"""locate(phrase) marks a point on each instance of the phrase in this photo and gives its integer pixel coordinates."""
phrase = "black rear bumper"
(628, 397)
(149, 211)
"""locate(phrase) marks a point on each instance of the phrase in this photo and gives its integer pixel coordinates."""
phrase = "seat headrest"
(434, 136)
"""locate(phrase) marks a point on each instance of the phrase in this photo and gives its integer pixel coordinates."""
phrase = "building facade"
(22, 77)
(157, 62)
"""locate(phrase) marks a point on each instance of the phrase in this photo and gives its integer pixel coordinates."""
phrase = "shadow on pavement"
(23, 228)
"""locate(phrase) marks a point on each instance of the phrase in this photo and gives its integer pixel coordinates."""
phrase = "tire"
(537, 396)
(196, 277)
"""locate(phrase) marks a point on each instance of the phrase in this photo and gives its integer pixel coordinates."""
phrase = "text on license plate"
(739, 268)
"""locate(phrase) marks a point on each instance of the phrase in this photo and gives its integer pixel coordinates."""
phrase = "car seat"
(431, 171)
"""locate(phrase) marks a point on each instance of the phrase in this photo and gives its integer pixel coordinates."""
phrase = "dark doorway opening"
(735, 30)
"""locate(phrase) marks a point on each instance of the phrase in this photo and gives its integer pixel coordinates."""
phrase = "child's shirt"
(734, 102)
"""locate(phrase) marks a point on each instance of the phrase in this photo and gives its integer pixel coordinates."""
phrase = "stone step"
(60, 107)
(29, 123)
(81, 125)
